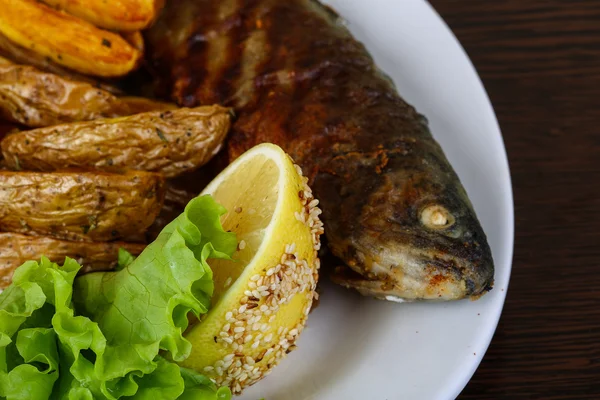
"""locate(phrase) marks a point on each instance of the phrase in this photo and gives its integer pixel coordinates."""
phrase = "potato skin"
(15, 249)
(67, 40)
(170, 142)
(116, 15)
(13, 53)
(87, 206)
(35, 98)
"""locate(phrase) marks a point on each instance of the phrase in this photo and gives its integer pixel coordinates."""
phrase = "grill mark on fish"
(186, 82)
(298, 79)
(280, 93)
(234, 76)
(252, 57)
(210, 48)
(285, 89)
(223, 49)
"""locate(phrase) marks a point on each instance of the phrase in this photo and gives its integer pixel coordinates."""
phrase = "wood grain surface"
(540, 63)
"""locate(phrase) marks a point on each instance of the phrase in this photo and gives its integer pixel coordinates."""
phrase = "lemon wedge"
(261, 299)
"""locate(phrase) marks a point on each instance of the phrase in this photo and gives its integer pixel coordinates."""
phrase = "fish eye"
(437, 217)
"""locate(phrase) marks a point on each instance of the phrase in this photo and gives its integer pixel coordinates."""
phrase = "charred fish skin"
(395, 211)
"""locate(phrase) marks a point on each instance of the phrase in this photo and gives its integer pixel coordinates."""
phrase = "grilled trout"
(395, 212)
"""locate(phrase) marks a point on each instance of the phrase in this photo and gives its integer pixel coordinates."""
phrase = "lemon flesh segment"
(261, 299)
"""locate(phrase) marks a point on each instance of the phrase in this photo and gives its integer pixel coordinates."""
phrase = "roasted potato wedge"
(21, 55)
(170, 142)
(116, 15)
(34, 98)
(67, 40)
(88, 206)
(15, 249)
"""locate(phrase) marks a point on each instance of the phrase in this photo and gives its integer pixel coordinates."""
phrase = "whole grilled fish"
(395, 212)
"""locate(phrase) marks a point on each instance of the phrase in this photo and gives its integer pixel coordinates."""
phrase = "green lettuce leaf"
(109, 348)
(29, 354)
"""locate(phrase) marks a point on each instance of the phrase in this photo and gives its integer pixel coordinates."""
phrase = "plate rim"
(458, 378)
(508, 203)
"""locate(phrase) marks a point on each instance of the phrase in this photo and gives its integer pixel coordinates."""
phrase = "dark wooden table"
(540, 63)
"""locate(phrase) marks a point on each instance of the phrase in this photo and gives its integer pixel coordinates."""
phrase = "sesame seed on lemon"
(261, 299)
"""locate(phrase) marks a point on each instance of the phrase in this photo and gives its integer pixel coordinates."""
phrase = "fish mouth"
(421, 270)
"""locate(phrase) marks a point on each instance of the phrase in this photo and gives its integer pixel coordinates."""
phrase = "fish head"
(417, 236)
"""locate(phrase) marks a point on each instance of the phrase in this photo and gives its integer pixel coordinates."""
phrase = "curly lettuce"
(104, 335)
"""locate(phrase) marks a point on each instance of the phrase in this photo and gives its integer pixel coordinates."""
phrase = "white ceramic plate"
(356, 348)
